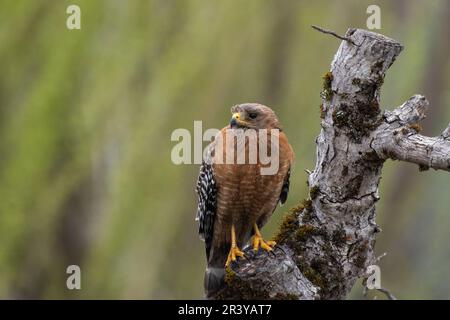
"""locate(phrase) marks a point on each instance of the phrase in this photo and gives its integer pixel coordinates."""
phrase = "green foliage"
(86, 117)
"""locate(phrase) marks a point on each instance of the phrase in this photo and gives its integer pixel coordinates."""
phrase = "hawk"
(235, 199)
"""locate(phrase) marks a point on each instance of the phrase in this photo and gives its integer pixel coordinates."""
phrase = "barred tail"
(214, 280)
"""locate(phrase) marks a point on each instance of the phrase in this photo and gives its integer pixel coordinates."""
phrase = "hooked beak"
(235, 119)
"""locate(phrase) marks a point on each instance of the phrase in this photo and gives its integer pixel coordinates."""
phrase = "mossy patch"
(307, 204)
(416, 127)
(290, 222)
(229, 275)
(359, 120)
(314, 192)
(314, 276)
(296, 233)
(304, 232)
(322, 111)
(327, 92)
(288, 225)
(312, 273)
(308, 216)
(288, 296)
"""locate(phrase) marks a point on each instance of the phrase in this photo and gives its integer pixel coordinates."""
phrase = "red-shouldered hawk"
(235, 199)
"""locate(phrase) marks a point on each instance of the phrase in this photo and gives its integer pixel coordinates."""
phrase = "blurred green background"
(86, 117)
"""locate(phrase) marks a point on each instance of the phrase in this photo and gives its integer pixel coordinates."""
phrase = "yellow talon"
(258, 241)
(234, 250)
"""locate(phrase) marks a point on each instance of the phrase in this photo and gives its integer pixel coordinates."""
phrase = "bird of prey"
(235, 199)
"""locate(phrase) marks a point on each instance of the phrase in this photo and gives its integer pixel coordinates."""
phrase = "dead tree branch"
(326, 31)
(327, 243)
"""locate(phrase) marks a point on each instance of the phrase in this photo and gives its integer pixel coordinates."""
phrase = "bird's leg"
(258, 241)
(234, 250)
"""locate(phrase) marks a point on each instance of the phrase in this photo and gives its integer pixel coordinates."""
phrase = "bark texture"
(327, 243)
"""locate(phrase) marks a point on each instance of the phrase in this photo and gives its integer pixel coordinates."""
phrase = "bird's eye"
(252, 115)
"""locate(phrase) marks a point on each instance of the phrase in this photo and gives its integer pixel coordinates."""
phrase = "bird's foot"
(233, 254)
(258, 242)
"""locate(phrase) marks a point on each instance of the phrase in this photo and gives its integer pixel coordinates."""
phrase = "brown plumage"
(244, 198)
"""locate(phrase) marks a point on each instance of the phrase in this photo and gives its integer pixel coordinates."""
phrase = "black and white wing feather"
(206, 210)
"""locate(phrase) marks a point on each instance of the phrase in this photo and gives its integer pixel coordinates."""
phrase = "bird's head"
(253, 116)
